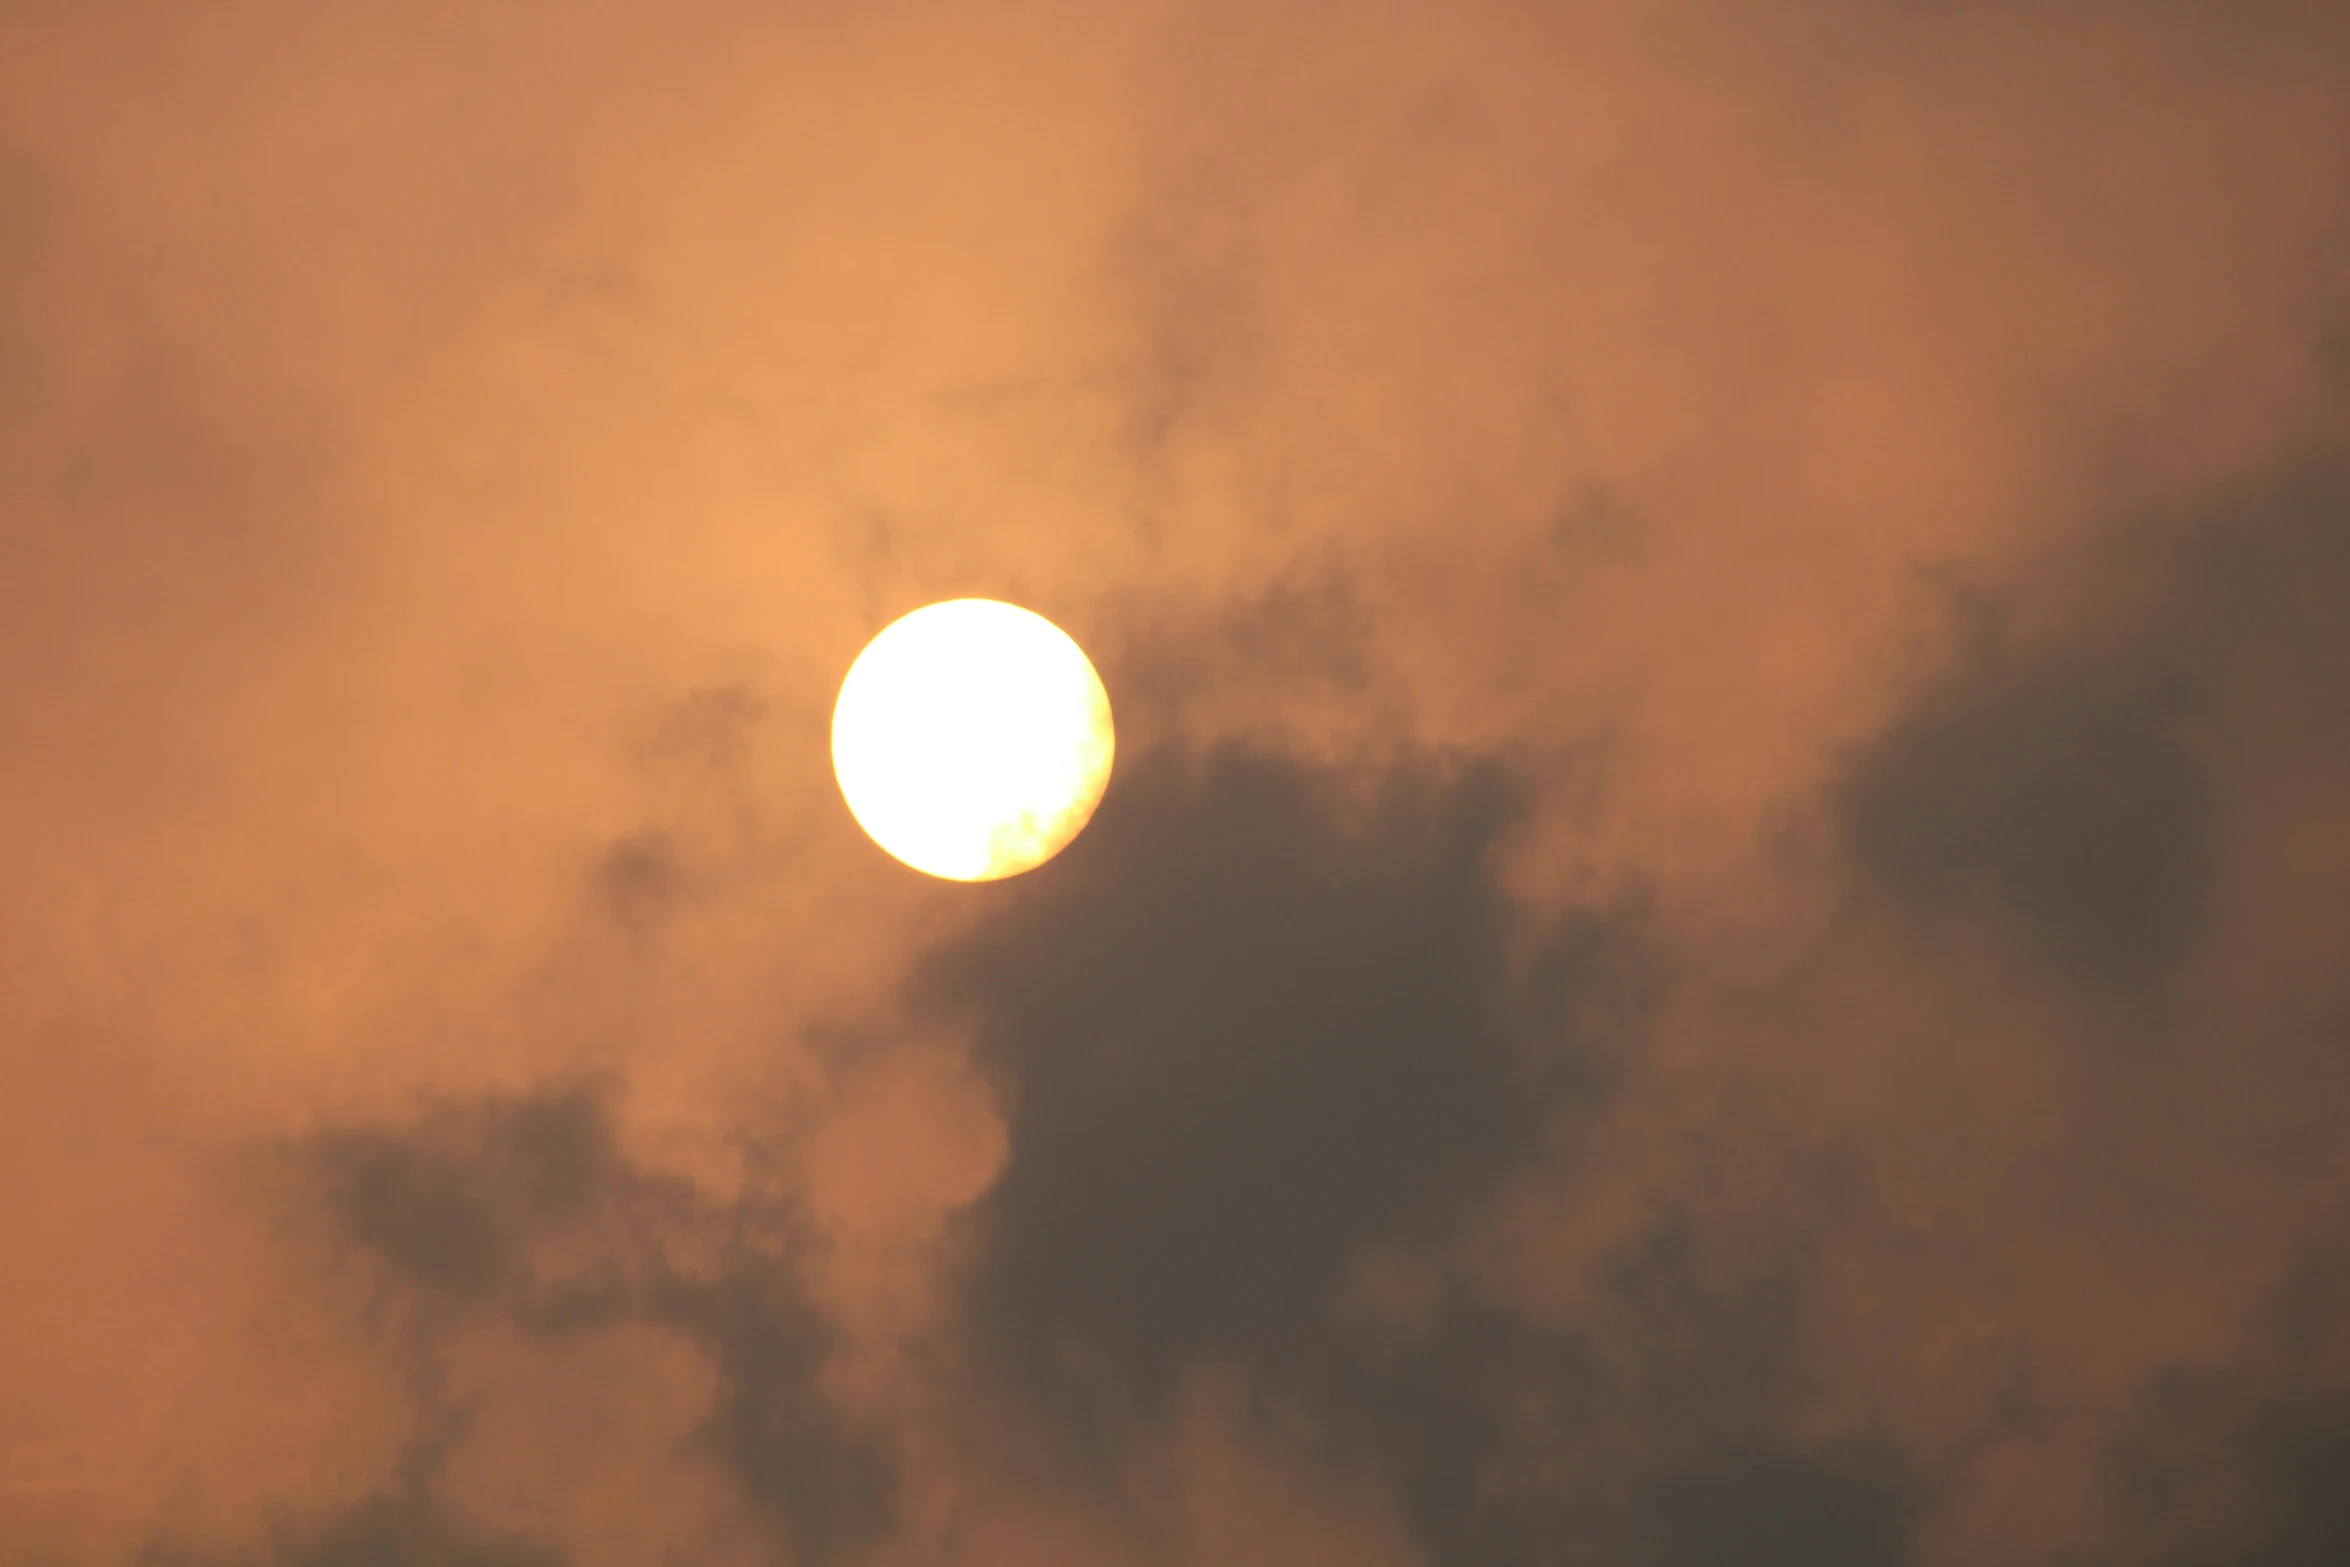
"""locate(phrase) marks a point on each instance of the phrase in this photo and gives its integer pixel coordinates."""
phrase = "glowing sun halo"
(972, 739)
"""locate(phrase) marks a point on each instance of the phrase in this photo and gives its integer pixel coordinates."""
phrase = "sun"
(972, 739)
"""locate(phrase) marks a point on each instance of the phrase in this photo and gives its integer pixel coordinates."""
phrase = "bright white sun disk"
(972, 739)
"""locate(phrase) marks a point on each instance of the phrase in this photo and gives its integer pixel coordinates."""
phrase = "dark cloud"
(2208, 1480)
(1257, 1020)
(2106, 778)
(1295, 637)
(1269, 1019)
(2072, 789)
(1649, 1428)
(460, 1207)
(2061, 799)
(525, 1211)
(391, 1530)
(639, 879)
(2246, 1461)
(1776, 1506)
(2255, 586)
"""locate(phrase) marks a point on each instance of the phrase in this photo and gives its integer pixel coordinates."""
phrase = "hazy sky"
(1722, 937)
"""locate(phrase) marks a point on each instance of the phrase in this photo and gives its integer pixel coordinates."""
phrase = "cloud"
(2242, 1460)
(393, 1530)
(1564, 1044)
(1273, 1026)
(2061, 801)
(523, 1210)
(1253, 1024)
(1778, 1507)
(2066, 781)
(1278, 1044)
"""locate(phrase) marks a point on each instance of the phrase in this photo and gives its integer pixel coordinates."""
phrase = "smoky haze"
(1718, 936)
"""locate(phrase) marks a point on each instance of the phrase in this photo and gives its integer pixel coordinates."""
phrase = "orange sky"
(1720, 932)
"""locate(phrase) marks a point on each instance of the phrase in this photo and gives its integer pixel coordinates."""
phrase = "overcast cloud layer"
(1723, 930)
